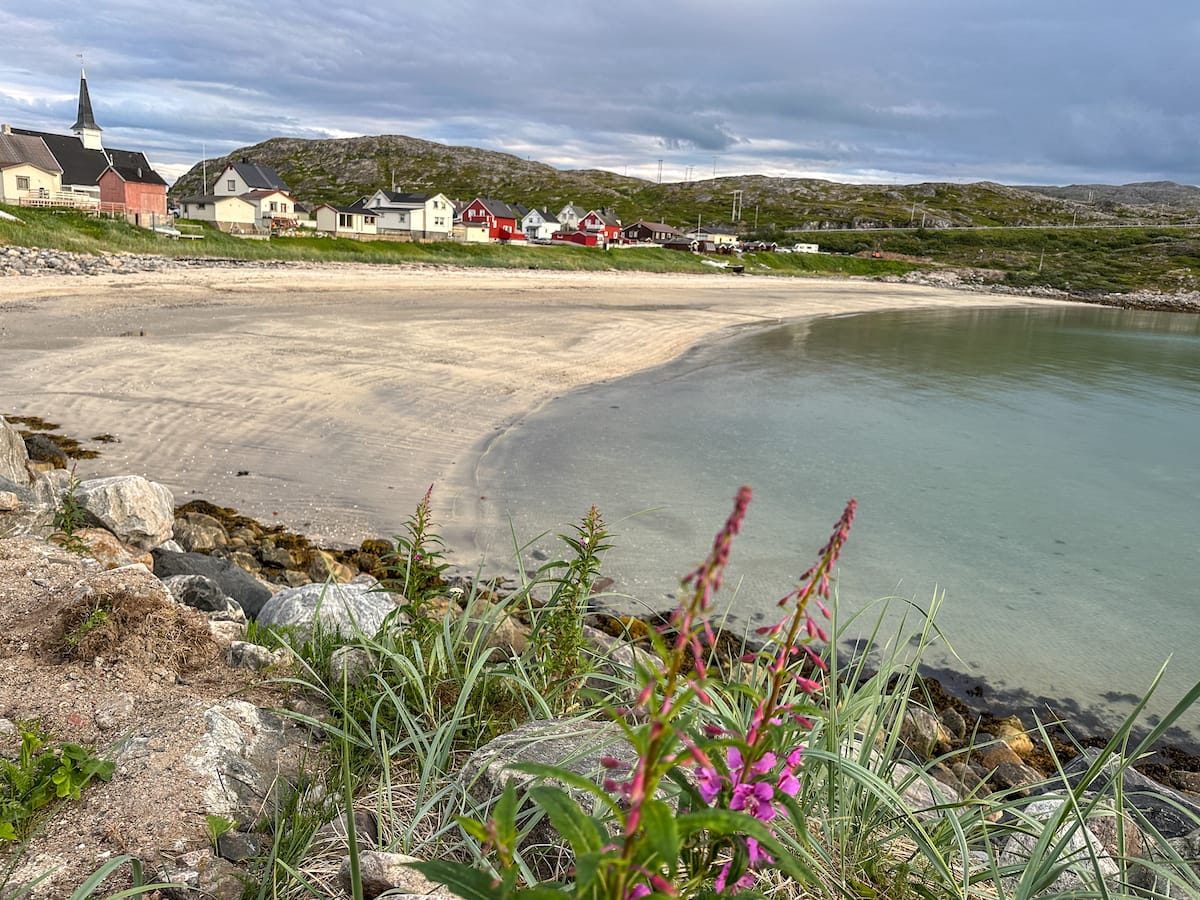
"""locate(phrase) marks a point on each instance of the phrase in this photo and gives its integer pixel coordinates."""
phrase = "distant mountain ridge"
(340, 170)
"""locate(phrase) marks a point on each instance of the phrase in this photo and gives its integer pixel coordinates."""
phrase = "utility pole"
(660, 162)
(714, 167)
(737, 207)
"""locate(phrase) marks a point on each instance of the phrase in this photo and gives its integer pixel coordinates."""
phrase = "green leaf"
(461, 879)
(568, 778)
(661, 832)
(581, 831)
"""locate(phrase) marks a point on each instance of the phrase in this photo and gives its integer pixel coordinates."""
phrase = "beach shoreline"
(327, 398)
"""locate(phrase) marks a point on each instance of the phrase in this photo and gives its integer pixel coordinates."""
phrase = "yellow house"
(27, 168)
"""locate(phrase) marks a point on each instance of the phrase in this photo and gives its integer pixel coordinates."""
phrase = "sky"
(856, 91)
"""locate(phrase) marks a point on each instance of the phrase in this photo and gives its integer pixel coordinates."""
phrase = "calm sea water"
(1038, 470)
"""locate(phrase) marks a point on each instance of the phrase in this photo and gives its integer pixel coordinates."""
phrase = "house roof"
(571, 209)
(547, 217)
(399, 197)
(265, 192)
(17, 149)
(214, 198)
(352, 209)
(656, 227)
(604, 216)
(81, 165)
(258, 177)
(138, 175)
(498, 208)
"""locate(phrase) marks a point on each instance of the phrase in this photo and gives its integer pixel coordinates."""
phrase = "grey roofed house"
(400, 197)
(25, 148)
(81, 166)
(259, 177)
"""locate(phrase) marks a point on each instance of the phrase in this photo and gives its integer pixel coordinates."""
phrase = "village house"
(233, 214)
(569, 216)
(501, 219)
(575, 236)
(27, 167)
(259, 186)
(418, 216)
(539, 225)
(345, 221)
(603, 223)
(717, 236)
(649, 232)
(134, 190)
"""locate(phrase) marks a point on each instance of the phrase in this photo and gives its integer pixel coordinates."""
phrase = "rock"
(224, 633)
(325, 568)
(247, 655)
(350, 665)
(114, 714)
(13, 456)
(241, 846)
(571, 744)
(277, 556)
(1013, 732)
(498, 627)
(355, 608)
(201, 873)
(1169, 812)
(249, 593)
(921, 731)
(243, 760)
(104, 547)
(200, 592)
(42, 449)
(382, 872)
(199, 533)
(1079, 846)
(138, 511)
(9, 501)
(954, 723)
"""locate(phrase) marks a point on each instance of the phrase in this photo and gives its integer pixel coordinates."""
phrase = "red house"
(141, 191)
(583, 238)
(502, 220)
(603, 223)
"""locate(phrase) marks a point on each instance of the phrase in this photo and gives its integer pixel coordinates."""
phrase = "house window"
(274, 206)
(22, 182)
(231, 185)
(344, 220)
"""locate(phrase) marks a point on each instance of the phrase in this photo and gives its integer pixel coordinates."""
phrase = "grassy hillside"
(342, 170)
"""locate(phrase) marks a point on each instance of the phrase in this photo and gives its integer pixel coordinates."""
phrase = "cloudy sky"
(1015, 91)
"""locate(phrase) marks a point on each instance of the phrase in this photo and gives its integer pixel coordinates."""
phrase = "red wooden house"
(603, 223)
(582, 238)
(502, 220)
(140, 191)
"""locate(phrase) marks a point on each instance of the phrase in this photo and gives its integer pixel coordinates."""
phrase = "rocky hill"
(342, 170)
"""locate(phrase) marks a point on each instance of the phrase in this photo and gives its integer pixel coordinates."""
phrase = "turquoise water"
(1036, 469)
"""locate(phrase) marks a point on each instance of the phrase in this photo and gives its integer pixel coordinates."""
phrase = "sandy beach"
(328, 398)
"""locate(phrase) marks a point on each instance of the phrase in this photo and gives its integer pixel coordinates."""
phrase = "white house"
(243, 177)
(421, 216)
(345, 221)
(539, 225)
(227, 213)
(569, 216)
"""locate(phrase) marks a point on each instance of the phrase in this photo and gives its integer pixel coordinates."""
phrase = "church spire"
(85, 122)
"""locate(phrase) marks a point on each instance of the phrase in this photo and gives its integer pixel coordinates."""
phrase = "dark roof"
(353, 209)
(605, 216)
(81, 165)
(547, 216)
(657, 227)
(139, 175)
(498, 208)
(258, 177)
(25, 148)
(572, 208)
(84, 119)
(397, 197)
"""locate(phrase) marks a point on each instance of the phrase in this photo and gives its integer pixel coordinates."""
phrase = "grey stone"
(382, 872)
(13, 456)
(249, 593)
(1080, 846)
(42, 449)
(203, 874)
(351, 665)
(199, 592)
(1171, 813)
(247, 655)
(197, 532)
(9, 501)
(354, 608)
(139, 512)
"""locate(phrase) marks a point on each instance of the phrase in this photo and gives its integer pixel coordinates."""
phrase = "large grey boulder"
(138, 511)
(14, 459)
(357, 608)
(1082, 853)
(247, 591)
(204, 594)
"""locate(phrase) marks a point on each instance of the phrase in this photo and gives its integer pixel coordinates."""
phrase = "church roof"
(81, 165)
(84, 119)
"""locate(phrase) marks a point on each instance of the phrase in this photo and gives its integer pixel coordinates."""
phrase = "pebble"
(43, 261)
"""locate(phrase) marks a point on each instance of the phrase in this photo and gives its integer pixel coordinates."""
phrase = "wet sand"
(329, 398)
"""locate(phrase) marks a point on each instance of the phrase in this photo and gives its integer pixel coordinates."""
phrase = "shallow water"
(1036, 469)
